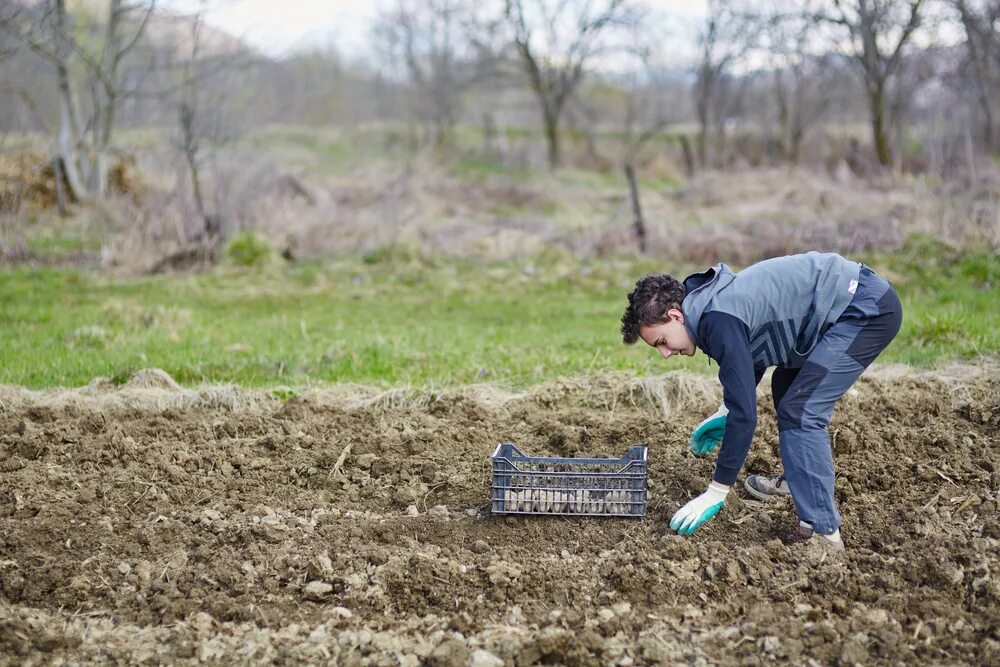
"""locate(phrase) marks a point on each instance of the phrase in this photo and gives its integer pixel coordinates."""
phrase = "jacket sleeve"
(727, 340)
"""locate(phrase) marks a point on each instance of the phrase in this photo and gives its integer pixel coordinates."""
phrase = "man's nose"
(666, 352)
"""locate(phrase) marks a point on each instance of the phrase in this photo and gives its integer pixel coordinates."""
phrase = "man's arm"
(729, 341)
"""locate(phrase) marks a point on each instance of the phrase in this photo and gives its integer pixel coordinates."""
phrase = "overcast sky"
(277, 27)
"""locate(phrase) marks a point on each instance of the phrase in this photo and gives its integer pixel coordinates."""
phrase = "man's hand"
(699, 510)
(708, 434)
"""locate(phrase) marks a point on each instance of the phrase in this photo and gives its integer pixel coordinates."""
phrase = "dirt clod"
(317, 589)
(450, 653)
(481, 658)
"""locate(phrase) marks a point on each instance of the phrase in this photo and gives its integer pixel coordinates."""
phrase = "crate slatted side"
(553, 485)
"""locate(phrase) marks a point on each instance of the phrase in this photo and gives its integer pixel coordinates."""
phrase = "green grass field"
(390, 319)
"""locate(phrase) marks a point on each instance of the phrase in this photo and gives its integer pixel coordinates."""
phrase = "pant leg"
(840, 357)
(781, 380)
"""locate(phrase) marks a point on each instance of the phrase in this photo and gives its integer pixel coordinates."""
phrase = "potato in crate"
(525, 484)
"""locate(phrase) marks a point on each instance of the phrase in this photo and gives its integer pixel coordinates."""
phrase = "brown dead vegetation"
(28, 178)
(739, 216)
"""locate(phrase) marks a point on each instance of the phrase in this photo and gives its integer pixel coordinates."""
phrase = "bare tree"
(83, 143)
(800, 82)
(648, 110)
(876, 32)
(650, 100)
(187, 120)
(9, 12)
(726, 36)
(198, 100)
(555, 42)
(981, 23)
(205, 117)
(437, 43)
(107, 87)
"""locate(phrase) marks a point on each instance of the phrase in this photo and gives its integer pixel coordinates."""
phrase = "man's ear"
(676, 314)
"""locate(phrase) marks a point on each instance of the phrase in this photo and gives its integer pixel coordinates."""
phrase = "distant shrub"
(943, 327)
(933, 260)
(387, 254)
(924, 248)
(249, 249)
(981, 268)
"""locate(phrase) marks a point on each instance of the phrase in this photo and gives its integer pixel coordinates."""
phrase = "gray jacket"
(787, 303)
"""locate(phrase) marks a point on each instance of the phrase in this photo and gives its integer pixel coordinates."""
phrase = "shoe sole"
(830, 544)
(760, 495)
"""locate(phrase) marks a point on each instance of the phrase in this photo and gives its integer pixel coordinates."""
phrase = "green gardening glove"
(698, 511)
(708, 434)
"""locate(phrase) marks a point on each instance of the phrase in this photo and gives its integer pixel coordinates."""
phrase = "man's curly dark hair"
(648, 303)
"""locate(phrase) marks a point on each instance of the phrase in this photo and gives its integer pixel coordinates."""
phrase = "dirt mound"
(215, 523)
(152, 378)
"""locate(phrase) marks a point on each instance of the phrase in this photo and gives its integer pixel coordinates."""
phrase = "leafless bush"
(738, 217)
(166, 216)
(751, 242)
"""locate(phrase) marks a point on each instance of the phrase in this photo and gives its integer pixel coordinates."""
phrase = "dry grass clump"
(154, 390)
(608, 391)
(743, 217)
(26, 177)
(150, 389)
(229, 397)
(370, 399)
(743, 244)
(152, 378)
(435, 208)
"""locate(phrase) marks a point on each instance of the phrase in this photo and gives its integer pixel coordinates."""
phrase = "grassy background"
(389, 318)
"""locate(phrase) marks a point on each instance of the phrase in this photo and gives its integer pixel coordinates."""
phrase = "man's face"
(670, 337)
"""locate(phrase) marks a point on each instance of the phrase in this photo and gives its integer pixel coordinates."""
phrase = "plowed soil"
(168, 526)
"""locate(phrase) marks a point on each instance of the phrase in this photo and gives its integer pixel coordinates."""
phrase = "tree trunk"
(984, 86)
(60, 177)
(490, 141)
(989, 131)
(69, 126)
(970, 158)
(99, 177)
(984, 81)
(105, 120)
(795, 147)
(702, 139)
(703, 95)
(785, 115)
(638, 224)
(66, 145)
(688, 155)
(551, 118)
(985, 103)
(880, 136)
(102, 145)
(190, 142)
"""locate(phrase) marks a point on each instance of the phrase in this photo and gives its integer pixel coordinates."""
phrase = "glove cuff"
(716, 494)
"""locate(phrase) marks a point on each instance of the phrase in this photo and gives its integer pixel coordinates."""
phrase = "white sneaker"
(805, 533)
(765, 488)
